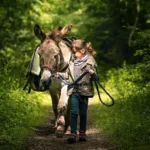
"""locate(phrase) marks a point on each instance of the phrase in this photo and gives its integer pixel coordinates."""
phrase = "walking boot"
(82, 136)
(72, 138)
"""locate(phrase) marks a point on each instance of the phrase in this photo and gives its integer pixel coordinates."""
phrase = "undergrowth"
(20, 113)
(128, 120)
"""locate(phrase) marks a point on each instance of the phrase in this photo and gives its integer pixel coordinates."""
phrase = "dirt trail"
(44, 138)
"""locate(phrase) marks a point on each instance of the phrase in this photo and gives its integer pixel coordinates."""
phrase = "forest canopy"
(114, 28)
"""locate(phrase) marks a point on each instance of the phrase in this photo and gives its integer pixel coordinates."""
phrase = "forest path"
(44, 138)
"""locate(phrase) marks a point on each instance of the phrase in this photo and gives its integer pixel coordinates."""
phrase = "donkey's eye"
(55, 56)
(50, 36)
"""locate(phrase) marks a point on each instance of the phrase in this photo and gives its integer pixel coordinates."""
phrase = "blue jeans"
(79, 106)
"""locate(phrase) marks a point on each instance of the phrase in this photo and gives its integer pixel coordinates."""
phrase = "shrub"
(20, 113)
(128, 120)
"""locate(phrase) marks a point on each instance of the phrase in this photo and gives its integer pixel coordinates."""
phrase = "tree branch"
(135, 23)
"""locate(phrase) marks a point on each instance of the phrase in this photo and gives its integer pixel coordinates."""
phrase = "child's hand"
(91, 71)
(56, 76)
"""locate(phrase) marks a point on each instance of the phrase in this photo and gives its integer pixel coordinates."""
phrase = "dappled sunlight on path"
(44, 138)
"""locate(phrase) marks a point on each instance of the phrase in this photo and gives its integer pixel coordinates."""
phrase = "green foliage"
(107, 25)
(128, 120)
(142, 55)
(20, 113)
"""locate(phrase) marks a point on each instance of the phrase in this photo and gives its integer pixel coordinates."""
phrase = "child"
(79, 94)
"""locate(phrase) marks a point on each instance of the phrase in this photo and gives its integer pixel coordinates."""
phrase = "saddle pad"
(34, 66)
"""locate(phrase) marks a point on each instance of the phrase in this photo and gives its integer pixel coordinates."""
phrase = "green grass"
(127, 124)
(129, 119)
(20, 113)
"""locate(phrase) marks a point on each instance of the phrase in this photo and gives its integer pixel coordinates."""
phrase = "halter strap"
(47, 67)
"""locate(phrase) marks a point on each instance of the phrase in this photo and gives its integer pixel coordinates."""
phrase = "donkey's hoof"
(59, 134)
(59, 131)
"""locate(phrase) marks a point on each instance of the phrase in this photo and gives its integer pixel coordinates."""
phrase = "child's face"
(77, 53)
(78, 49)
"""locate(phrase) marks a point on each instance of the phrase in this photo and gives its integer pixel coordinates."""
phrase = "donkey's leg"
(62, 109)
(55, 97)
(67, 119)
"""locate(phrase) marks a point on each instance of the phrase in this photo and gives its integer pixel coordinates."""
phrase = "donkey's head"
(51, 58)
(54, 34)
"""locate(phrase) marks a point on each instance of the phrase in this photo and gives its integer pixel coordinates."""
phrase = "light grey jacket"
(85, 85)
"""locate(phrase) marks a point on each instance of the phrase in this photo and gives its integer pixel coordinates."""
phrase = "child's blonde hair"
(83, 45)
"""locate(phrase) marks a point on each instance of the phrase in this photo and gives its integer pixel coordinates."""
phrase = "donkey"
(54, 56)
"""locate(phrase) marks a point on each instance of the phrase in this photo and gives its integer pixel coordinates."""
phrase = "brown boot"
(72, 138)
(82, 136)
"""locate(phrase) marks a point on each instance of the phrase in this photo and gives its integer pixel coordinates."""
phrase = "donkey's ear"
(65, 30)
(39, 33)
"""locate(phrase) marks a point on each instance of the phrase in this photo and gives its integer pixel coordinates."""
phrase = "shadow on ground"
(44, 138)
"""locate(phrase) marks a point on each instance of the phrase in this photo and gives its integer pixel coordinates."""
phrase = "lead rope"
(96, 81)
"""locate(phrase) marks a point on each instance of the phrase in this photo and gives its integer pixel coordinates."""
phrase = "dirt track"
(44, 139)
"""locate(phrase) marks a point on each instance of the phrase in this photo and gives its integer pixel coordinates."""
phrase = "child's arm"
(64, 74)
(91, 69)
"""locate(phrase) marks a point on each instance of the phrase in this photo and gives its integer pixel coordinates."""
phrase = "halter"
(61, 66)
(47, 67)
(95, 78)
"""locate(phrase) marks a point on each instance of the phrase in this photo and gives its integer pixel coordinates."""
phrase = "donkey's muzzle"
(45, 84)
